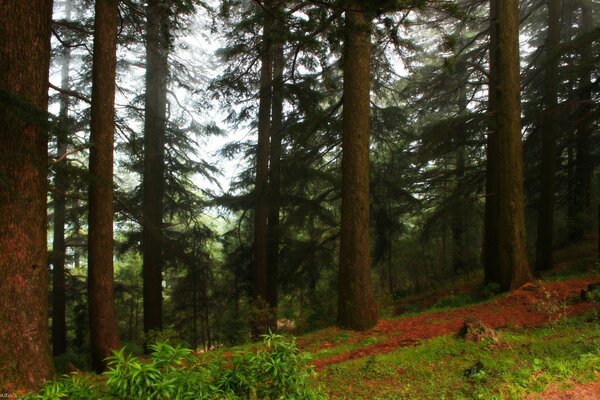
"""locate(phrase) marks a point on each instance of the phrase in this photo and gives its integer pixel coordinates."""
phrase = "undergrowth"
(277, 370)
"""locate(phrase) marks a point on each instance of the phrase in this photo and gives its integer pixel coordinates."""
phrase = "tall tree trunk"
(580, 221)
(491, 261)
(261, 198)
(357, 308)
(103, 319)
(59, 325)
(275, 168)
(459, 216)
(25, 356)
(513, 269)
(545, 233)
(157, 49)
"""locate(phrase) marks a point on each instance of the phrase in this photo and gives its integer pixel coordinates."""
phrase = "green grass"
(448, 367)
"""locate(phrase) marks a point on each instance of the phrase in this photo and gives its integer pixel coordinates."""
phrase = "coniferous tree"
(505, 253)
(59, 328)
(275, 160)
(103, 318)
(25, 356)
(583, 163)
(545, 233)
(357, 308)
(157, 49)
(261, 194)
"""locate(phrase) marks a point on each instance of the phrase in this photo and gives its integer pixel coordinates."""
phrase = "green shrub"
(277, 370)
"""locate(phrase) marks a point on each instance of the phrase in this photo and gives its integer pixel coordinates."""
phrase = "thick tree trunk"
(513, 269)
(157, 49)
(261, 195)
(25, 357)
(59, 325)
(357, 308)
(545, 233)
(103, 322)
(275, 170)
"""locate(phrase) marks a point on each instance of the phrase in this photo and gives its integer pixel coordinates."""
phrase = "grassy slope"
(521, 361)
(448, 367)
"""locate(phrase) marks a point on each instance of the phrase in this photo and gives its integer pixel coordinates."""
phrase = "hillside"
(545, 335)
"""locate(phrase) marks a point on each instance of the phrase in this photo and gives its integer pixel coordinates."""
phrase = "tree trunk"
(545, 233)
(275, 169)
(357, 307)
(580, 221)
(157, 48)
(261, 198)
(59, 325)
(460, 214)
(491, 261)
(103, 322)
(513, 269)
(25, 357)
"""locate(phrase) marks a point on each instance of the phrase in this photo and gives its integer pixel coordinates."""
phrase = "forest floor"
(506, 327)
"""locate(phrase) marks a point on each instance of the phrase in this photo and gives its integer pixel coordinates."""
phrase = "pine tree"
(357, 308)
(103, 319)
(505, 253)
(25, 356)
(545, 233)
(157, 49)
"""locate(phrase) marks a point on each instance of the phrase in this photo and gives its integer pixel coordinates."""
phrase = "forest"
(181, 179)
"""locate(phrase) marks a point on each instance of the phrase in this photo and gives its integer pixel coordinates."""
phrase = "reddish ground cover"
(530, 305)
(579, 391)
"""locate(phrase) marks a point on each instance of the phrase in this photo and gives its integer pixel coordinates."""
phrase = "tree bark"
(260, 266)
(275, 169)
(357, 308)
(25, 356)
(103, 322)
(582, 188)
(545, 233)
(157, 50)
(59, 324)
(490, 257)
(509, 247)
(459, 216)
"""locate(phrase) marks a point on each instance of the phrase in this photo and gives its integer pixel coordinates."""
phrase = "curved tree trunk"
(357, 308)
(25, 357)
(103, 322)
(545, 233)
(157, 48)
